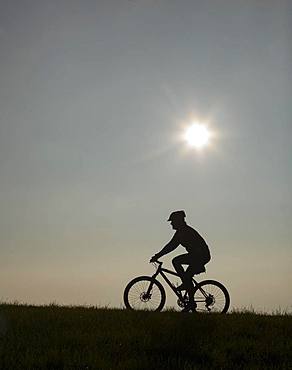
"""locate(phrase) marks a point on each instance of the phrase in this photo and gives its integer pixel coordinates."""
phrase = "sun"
(197, 135)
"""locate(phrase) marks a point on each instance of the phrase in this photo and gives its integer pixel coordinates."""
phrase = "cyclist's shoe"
(190, 307)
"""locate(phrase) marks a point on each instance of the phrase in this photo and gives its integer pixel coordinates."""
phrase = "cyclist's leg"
(177, 263)
(186, 276)
(196, 266)
(190, 272)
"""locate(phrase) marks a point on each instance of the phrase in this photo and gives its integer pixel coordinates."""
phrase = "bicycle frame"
(162, 272)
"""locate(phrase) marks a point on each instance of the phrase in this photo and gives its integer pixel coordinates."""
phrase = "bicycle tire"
(134, 294)
(218, 296)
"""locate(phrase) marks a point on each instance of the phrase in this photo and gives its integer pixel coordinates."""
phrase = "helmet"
(177, 215)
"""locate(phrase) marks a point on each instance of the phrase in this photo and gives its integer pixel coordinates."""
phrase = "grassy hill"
(54, 337)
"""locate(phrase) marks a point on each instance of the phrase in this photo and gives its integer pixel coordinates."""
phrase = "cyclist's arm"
(169, 247)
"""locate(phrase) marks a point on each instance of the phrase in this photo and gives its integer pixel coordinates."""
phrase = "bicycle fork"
(147, 294)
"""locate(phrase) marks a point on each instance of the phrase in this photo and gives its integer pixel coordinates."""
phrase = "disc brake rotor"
(144, 297)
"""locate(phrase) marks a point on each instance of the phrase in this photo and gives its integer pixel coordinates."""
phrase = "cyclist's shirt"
(193, 242)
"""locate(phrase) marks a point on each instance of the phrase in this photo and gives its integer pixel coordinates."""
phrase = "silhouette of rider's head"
(177, 219)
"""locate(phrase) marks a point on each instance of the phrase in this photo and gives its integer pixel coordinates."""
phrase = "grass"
(55, 337)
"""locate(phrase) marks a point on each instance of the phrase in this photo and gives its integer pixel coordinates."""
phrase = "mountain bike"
(147, 293)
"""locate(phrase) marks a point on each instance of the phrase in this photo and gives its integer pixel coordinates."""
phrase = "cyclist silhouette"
(196, 258)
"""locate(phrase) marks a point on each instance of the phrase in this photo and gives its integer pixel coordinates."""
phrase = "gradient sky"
(94, 97)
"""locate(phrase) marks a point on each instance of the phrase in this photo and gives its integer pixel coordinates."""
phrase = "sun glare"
(197, 135)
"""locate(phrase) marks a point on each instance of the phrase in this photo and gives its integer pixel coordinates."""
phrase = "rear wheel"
(144, 293)
(211, 296)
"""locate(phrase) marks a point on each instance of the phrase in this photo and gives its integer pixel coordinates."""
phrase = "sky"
(94, 99)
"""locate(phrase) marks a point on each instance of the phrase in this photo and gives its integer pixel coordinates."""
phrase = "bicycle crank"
(183, 302)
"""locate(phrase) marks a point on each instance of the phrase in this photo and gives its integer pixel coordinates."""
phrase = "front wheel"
(144, 293)
(211, 296)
